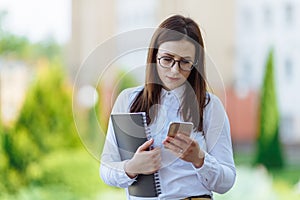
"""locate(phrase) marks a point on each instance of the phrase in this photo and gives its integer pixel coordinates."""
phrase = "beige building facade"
(94, 22)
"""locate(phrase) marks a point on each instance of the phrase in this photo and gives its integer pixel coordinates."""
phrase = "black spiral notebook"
(131, 131)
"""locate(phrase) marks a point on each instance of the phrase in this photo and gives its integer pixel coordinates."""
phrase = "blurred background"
(54, 109)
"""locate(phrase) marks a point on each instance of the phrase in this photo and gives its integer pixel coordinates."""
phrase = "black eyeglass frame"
(175, 61)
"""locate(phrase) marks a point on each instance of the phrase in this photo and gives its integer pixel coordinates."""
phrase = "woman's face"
(182, 50)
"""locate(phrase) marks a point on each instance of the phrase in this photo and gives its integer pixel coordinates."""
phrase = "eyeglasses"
(169, 62)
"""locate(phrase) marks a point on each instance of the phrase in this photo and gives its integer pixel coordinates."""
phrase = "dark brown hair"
(175, 28)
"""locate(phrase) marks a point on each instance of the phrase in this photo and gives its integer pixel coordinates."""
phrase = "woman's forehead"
(182, 48)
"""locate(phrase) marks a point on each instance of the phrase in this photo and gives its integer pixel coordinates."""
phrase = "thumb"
(145, 146)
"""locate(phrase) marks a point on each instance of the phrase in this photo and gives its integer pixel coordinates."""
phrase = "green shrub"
(47, 112)
(3, 160)
(45, 124)
(66, 174)
(269, 152)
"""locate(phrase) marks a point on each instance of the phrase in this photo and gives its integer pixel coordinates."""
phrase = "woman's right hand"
(144, 161)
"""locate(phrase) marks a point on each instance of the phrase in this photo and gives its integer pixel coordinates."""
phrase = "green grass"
(74, 175)
(284, 180)
(66, 175)
(289, 174)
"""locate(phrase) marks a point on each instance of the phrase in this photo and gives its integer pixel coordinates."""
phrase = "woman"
(175, 90)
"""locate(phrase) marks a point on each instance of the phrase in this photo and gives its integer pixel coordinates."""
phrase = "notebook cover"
(131, 132)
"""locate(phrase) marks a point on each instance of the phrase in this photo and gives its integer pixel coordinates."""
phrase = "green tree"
(12, 45)
(45, 124)
(47, 111)
(19, 47)
(269, 152)
(3, 160)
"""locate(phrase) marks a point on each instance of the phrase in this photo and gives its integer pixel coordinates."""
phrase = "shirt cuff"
(130, 180)
(208, 170)
(126, 177)
(118, 174)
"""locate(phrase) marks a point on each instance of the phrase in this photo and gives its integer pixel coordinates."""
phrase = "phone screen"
(182, 127)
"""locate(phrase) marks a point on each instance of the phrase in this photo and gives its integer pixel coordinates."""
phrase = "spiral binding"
(156, 174)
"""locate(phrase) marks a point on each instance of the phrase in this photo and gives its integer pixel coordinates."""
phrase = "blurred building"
(14, 79)
(238, 35)
(94, 22)
(262, 25)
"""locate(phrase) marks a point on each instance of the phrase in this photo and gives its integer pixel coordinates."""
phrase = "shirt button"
(169, 93)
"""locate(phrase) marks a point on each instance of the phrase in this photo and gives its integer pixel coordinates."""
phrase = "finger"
(192, 144)
(157, 150)
(178, 142)
(179, 145)
(184, 138)
(175, 149)
(145, 146)
(155, 153)
(168, 142)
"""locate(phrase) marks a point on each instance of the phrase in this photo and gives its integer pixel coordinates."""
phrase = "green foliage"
(47, 48)
(125, 80)
(19, 47)
(66, 174)
(45, 124)
(70, 172)
(3, 159)
(269, 151)
(47, 112)
(14, 46)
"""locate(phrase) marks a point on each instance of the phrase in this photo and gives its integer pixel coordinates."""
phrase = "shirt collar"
(178, 92)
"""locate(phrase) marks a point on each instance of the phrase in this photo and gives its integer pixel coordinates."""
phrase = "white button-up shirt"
(178, 178)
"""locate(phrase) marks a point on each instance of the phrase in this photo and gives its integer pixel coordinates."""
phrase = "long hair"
(175, 28)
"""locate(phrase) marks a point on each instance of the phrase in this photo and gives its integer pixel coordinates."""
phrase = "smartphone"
(182, 127)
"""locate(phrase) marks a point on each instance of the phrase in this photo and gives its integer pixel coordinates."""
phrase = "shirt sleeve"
(218, 171)
(111, 167)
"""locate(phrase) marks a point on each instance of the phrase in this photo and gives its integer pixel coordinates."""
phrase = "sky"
(38, 19)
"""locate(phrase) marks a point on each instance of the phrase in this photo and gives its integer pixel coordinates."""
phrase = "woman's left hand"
(185, 148)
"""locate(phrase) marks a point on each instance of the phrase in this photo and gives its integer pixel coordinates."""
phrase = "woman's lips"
(173, 78)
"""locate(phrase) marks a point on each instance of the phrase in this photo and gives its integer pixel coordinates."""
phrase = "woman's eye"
(167, 59)
(185, 61)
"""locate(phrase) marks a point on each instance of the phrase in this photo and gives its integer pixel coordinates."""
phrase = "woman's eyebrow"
(171, 55)
(167, 54)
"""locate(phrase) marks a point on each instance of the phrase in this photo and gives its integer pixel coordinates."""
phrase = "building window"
(288, 68)
(288, 13)
(135, 14)
(247, 18)
(267, 16)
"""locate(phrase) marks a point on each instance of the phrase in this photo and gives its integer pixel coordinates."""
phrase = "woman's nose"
(175, 67)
